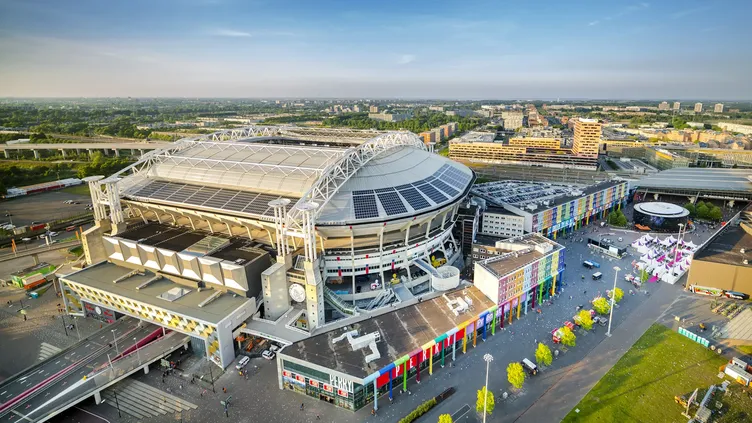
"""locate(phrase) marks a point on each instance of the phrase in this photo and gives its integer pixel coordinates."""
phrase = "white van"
(242, 362)
(529, 366)
(597, 275)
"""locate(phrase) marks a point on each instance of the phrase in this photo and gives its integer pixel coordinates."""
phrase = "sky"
(462, 49)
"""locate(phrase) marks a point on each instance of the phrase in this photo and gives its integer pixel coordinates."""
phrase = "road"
(38, 249)
(76, 363)
(86, 146)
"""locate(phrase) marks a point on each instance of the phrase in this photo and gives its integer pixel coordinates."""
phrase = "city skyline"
(477, 50)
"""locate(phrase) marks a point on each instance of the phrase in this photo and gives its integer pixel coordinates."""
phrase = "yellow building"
(540, 142)
(587, 137)
(496, 152)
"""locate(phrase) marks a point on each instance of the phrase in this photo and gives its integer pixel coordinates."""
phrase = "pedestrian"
(224, 389)
(24, 317)
(318, 417)
(181, 386)
(585, 293)
(302, 405)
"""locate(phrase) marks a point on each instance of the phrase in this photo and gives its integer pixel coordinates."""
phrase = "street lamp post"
(138, 352)
(114, 392)
(113, 337)
(62, 317)
(211, 375)
(613, 300)
(77, 331)
(488, 358)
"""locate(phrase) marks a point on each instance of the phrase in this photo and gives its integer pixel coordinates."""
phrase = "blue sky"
(409, 48)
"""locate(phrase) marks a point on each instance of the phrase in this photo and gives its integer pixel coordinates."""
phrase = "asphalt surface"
(77, 362)
(44, 207)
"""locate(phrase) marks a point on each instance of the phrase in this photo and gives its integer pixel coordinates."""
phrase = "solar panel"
(392, 203)
(389, 189)
(432, 193)
(365, 206)
(444, 187)
(216, 198)
(413, 197)
(401, 187)
(362, 192)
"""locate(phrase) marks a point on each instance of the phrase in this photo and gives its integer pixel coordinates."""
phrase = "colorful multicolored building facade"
(328, 368)
(524, 275)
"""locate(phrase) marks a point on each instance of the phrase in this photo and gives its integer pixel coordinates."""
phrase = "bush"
(619, 294)
(543, 354)
(691, 208)
(715, 214)
(445, 418)
(421, 410)
(516, 375)
(702, 211)
(485, 398)
(601, 305)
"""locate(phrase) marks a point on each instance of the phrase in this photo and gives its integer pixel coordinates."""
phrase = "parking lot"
(44, 207)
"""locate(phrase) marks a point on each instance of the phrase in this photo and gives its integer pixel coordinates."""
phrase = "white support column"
(113, 200)
(443, 220)
(407, 246)
(352, 261)
(280, 215)
(381, 257)
(97, 196)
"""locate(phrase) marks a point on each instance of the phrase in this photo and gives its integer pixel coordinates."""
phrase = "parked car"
(53, 234)
(736, 295)
(242, 362)
(274, 348)
(531, 368)
(268, 355)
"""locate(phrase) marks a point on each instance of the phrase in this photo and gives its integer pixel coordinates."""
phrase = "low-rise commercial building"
(522, 275)
(371, 357)
(539, 142)
(389, 117)
(501, 222)
(466, 148)
(724, 262)
(512, 119)
(549, 208)
(664, 159)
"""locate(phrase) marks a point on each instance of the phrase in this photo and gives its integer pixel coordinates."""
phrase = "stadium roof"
(388, 177)
(699, 180)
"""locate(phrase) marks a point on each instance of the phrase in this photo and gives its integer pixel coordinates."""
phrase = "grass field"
(642, 385)
(82, 189)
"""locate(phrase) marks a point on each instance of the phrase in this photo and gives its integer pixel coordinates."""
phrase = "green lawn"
(82, 189)
(642, 385)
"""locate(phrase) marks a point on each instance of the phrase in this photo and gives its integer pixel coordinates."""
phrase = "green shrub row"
(421, 410)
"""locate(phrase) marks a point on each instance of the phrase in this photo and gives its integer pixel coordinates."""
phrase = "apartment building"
(542, 142)
(718, 108)
(677, 105)
(512, 119)
(663, 106)
(389, 117)
(698, 107)
(587, 137)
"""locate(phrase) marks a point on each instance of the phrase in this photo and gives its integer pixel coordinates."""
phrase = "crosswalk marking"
(46, 351)
(143, 401)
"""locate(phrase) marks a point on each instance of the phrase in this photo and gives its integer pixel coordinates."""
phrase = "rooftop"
(102, 276)
(521, 252)
(700, 179)
(726, 247)
(532, 195)
(402, 331)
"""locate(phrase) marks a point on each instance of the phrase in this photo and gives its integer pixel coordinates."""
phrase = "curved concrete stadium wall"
(449, 278)
(659, 223)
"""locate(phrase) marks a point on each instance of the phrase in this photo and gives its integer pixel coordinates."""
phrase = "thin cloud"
(686, 12)
(624, 12)
(406, 58)
(224, 32)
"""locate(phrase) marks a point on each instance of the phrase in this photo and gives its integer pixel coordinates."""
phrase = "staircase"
(335, 301)
(382, 299)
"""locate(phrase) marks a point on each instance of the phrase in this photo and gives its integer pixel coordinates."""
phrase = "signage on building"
(328, 388)
(342, 393)
(314, 383)
(341, 383)
(99, 313)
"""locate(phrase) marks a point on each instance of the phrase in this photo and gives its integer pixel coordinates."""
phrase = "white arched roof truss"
(338, 173)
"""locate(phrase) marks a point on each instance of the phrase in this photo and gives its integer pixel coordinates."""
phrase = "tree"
(516, 375)
(486, 399)
(691, 208)
(568, 337)
(585, 320)
(543, 354)
(621, 220)
(619, 294)
(445, 418)
(715, 214)
(601, 305)
(699, 203)
(702, 211)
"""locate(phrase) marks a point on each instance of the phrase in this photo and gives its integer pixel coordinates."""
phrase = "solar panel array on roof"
(444, 187)
(216, 198)
(366, 191)
(414, 198)
(365, 206)
(432, 193)
(392, 203)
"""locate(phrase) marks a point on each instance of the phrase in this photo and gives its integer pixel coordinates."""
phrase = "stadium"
(203, 235)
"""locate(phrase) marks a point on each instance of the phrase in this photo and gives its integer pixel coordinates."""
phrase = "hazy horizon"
(479, 49)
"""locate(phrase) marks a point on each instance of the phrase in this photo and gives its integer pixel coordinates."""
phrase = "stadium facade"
(259, 222)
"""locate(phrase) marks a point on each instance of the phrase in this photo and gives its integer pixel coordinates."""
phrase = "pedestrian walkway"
(144, 401)
(46, 351)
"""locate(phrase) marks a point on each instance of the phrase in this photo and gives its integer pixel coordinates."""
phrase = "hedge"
(421, 410)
